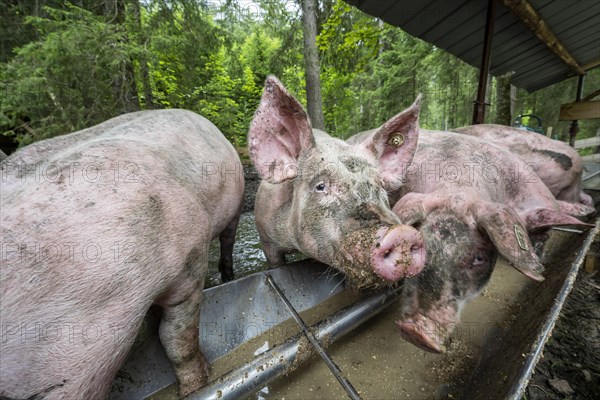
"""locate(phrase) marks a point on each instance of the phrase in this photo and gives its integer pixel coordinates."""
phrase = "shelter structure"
(541, 42)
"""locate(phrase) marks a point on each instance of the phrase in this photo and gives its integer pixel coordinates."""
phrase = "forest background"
(67, 65)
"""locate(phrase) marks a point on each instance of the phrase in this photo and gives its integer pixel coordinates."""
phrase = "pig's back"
(555, 162)
(454, 162)
(147, 150)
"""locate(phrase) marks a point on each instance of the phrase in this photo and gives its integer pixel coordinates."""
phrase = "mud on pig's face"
(338, 211)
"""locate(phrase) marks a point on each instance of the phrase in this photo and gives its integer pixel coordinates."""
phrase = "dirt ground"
(570, 367)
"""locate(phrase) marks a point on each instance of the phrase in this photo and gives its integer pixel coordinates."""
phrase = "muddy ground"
(570, 367)
(252, 180)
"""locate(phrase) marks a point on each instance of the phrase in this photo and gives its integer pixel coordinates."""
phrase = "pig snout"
(423, 332)
(398, 253)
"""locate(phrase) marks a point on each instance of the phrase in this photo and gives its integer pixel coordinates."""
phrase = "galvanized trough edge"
(518, 389)
(286, 357)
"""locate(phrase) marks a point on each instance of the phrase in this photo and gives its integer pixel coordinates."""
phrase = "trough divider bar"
(518, 389)
(350, 390)
(281, 359)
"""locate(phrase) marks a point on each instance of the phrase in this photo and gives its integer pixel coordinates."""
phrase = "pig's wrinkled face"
(339, 212)
(343, 190)
(342, 217)
(460, 261)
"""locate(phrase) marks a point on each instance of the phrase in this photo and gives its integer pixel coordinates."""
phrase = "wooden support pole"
(484, 69)
(533, 21)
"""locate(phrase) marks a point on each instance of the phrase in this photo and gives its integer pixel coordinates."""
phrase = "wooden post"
(484, 69)
(575, 125)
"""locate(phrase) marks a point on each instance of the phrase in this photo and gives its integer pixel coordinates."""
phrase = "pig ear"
(508, 234)
(413, 208)
(545, 218)
(279, 132)
(574, 209)
(394, 145)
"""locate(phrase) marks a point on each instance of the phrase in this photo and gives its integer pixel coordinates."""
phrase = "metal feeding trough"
(247, 316)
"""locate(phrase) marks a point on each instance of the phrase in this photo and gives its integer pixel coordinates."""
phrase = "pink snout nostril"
(398, 253)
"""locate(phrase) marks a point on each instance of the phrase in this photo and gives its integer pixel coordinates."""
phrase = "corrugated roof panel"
(504, 22)
(510, 40)
(375, 8)
(457, 39)
(542, 70)
(527, 57)
(458, 26)
(432, 15)
(403, 11)
(454, 19)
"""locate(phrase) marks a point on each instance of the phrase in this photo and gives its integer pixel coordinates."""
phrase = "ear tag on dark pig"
(521, 238)
(396, 140)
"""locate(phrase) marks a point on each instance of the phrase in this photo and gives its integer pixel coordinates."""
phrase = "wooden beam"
(526, 13)
(591, 64)
(591, 95)
(591, 158)
(589, 142)
(579, 110)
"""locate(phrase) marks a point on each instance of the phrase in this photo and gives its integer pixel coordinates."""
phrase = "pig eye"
(321, 186)
(478, 260)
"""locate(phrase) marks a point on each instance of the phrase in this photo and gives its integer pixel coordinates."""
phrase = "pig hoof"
(192, 377)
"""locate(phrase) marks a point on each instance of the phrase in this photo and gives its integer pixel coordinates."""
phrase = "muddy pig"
(327, 199)
(556, 163)
(471, 201)
(96, 227)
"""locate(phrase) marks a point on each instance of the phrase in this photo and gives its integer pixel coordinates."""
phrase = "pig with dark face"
(556, 163)
(327, 199)
(471, 201)
(96, 227)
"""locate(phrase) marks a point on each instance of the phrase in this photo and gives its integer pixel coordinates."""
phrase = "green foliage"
(545, 103)
(67, 67)
(66, 80)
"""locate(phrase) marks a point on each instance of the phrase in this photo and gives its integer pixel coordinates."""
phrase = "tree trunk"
(311, 62)
(513, 100)
(124, 84)
(142, 41)
(503, 110)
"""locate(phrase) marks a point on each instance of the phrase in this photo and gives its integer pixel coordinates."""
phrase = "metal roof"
(458, 26)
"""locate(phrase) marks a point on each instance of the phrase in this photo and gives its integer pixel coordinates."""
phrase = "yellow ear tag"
(396, 140)
(521, 238)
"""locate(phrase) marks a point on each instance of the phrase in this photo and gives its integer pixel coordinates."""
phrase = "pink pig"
(556, 163)
(97, 226)
(470, 200)
(327, 199)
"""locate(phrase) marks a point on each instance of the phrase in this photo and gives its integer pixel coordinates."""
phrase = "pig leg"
(179, 337)
(227, 239)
